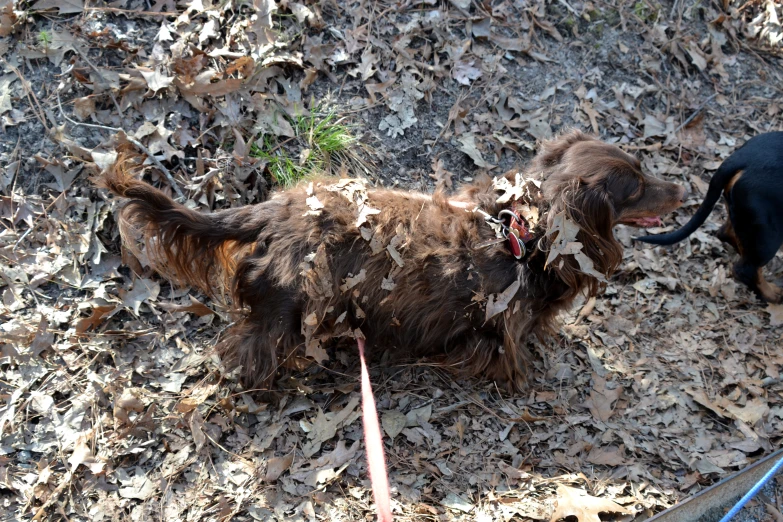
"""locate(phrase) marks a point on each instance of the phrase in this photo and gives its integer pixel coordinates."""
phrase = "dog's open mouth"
(643, 222)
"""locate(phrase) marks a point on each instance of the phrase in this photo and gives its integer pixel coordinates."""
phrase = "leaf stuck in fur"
(315, 268)
(510, 192)
(395, 255)
(351, 282)
(565, 232)
(565, 244)
(388, 284)
(238, 103)
(586, 265)
(497, 303)
(365, 211)
(315, 206)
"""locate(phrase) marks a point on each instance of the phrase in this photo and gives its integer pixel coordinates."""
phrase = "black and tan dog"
(752, 181)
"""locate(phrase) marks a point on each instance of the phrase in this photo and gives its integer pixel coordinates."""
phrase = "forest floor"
(113, 405)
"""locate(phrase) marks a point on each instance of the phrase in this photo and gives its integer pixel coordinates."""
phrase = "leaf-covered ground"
(112, 404)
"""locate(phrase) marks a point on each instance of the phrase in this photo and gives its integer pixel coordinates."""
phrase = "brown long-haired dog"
(413, 272)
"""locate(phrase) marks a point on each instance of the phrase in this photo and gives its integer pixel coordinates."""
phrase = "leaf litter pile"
(112, 403)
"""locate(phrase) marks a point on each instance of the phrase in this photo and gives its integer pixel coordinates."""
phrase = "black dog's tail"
(717, 183)
(189, 247)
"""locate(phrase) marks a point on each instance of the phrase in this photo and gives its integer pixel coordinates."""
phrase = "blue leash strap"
(752, 492)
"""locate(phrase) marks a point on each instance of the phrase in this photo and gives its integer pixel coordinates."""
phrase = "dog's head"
(598, 186)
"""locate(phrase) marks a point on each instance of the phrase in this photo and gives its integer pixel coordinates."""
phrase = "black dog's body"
(752, 181)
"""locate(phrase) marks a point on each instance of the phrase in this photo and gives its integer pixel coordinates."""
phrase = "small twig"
(78, 123)
(746, 4)
(695, 113)
(100, 75)
(273, 149)
(568, 6)
(196, 158)
(451, 407)
(31, 97)
(131, 12)
(160, 166)
(53, 497)
(134, 141)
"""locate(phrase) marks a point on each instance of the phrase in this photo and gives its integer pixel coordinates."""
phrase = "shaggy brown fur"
(306, 278)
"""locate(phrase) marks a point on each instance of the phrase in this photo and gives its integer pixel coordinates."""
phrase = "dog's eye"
(637, 192)
(626, 189)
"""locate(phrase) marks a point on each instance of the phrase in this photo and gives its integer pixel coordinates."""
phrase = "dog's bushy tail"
(186, 246)
(717, 183)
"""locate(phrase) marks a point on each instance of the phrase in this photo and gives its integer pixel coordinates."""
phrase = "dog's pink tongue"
(649, 222)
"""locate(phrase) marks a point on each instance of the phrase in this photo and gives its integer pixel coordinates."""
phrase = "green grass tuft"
(322, 143)
(45, 38)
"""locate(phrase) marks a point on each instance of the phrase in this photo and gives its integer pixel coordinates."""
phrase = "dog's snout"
(683, 193)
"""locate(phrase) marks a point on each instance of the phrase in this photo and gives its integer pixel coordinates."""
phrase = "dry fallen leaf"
(456, 502)
(64, 6)
(195, 307)
(324, 426)
(469, 147)
(80, 453)
(276, 466)
(572, 502)
(602, 399)
(196, 423)
(143, 290)
(156, 80)
(393, 422)
(465, 73)
(606, 456)
(753, 411)
(329, 466)
(442, 177)
(775, 312)
(314, 350)
(140, 487)
(96, 318)
(83, 108)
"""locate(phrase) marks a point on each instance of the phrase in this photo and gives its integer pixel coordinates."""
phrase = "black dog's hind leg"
(753, 276)
(727, 235)
(755, 224)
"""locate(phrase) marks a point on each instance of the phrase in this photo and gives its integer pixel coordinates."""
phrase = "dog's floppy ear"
(588, 205)
(552, 151)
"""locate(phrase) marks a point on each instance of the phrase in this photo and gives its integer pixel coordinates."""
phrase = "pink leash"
(374, 445)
